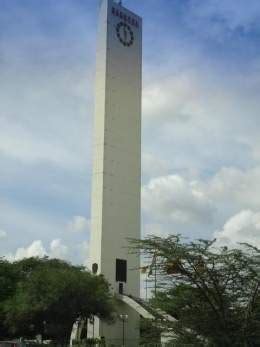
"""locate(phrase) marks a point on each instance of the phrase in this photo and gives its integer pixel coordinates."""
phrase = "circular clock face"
(125, 34)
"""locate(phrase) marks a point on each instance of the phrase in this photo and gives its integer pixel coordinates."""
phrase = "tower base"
(124, 331)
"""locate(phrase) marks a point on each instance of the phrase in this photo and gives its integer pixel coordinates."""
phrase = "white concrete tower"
(115, 211)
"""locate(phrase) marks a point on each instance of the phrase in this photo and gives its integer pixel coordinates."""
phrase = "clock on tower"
(125, 34)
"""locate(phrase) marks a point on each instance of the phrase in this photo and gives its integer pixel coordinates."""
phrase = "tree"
(50, 295)
(8, 278)
(212, 292)
(150, 332)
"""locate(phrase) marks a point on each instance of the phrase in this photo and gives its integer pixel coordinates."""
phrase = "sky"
(200, 122)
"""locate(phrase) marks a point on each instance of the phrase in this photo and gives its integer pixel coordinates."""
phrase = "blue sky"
(201, 144)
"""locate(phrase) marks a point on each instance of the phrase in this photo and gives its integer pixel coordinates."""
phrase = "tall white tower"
(115, 211)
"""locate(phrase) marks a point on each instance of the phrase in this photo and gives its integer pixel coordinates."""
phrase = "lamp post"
(92, 321)
(124, 318)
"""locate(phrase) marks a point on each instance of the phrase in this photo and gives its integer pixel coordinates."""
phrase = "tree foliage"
(150, 332)
(46, 296)
(8, 278)
(213, 292)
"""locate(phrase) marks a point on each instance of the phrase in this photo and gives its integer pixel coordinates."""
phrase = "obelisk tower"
(115, 211)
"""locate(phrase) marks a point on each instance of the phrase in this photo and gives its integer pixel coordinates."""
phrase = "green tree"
(212, 292)
(50, 295)
(150, 332)
(8, 279)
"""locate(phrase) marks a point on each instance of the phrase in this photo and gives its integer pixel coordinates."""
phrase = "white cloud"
(199, 122)
(235, 186)
(58, 250)
(174, 202)
(154, 229)
(153, 166)
(244, 227)
(79, 224)
(37, 249)
(172, 97)
(3, 234)
(174, 198)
